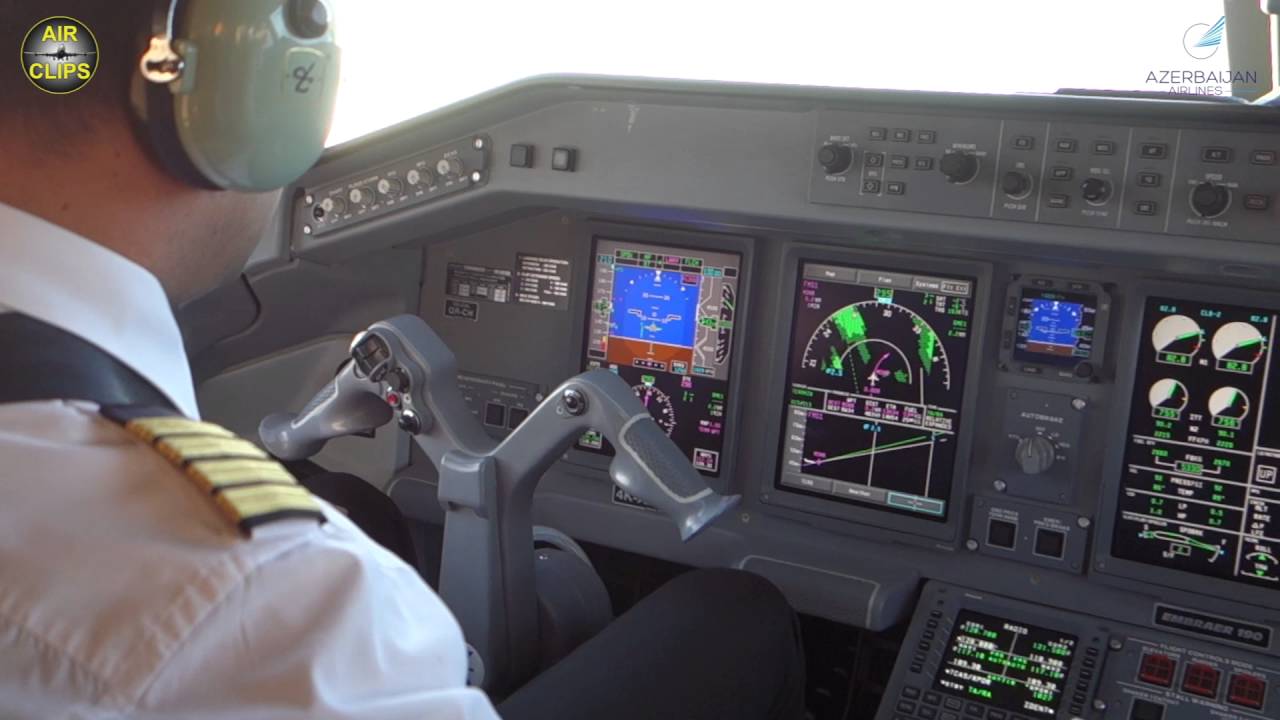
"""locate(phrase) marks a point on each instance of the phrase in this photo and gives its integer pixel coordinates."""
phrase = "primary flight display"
(662, 318)
(875, 379)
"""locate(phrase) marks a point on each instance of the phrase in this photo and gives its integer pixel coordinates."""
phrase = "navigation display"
(1015, 666)
(875, 378)
(1199, 488)
(1055, 327)
(662, 318)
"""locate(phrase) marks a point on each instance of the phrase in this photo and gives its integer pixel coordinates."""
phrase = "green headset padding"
(254, 102)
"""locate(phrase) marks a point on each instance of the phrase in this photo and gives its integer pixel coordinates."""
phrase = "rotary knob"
(1034, 454)
(390, 187)
(449, 167)
(835, 159)
(1016, 184)
(360, 196)
(1095, 191)
(959, 167)
(1209, 200)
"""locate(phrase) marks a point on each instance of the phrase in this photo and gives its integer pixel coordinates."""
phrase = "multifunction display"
(1008, 664)
(1055, 328)
(1199, 488)
(875, 378)
(662, 318)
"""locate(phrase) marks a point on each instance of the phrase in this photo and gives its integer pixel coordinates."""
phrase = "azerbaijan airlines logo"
(1202, 41)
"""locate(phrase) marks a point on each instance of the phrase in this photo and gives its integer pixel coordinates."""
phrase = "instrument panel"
(1006, 360)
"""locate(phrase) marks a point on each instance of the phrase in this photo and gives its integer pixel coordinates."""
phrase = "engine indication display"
(663, 318)
(1200, 491)
(1011, 665)
(875, 377)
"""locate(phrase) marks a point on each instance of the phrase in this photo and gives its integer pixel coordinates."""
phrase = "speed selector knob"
(959, 167)
(1209, 200)
(1034, 454)
(1016, 184)
(1095, 191)
(835, 159)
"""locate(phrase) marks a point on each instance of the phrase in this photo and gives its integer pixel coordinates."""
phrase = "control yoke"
(401, 369)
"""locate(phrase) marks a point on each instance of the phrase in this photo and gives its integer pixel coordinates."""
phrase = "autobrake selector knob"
(1095, 191)
(1209, 200)
(959, 167)
(1034, 454)
(1016, 184)
(835, 159)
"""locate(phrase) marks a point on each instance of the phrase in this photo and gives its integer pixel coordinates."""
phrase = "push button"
(901, 135)
(564, 159)
(516, 416)
(871, 187)
(1255, 201)
(1153, 151)
(877, 133)
(1145, 207)
(1065, 146)
(1024, 142)
(1247, 691)
(1157, 669)
(1146, 710)
(1050, 543)
(495, 414)
(875, 160)
(924, 163)
(926, 137)
(895, 187)
(898, 162)
(1263, 157)
(1061, 173)
(1002, 534)
(1200, 679)
(1216, 155)
(1104, 147)
(521, 156)
(1059, 200)
(1148, 179)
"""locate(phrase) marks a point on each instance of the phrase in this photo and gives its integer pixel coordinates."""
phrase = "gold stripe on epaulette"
(214, 475)
(151, 428)
(253, 505)
(181, 449)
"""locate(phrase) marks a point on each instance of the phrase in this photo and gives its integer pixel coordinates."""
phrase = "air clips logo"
(59, 55)
(1201, 42)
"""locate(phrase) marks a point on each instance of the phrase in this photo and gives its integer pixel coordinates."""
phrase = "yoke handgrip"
(348, 405)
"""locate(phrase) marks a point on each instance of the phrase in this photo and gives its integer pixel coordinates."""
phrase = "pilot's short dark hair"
(120, 27)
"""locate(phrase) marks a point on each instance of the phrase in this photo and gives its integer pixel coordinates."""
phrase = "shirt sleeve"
(334, 628)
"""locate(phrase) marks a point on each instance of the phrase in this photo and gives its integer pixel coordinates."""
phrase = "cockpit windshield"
(405, 57)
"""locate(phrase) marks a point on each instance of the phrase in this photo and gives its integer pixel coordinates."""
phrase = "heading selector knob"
(959, 167)
(1209, 200)
(1016, 184)
(1034, 454)
(835, 159)
(1095, 191)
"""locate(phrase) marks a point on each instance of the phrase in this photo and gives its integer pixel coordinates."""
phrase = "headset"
(237, 94)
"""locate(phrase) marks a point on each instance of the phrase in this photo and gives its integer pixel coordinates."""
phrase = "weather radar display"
(662, 318)
(875, 379)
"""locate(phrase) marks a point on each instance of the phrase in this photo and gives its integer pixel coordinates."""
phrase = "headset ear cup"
(154, 121)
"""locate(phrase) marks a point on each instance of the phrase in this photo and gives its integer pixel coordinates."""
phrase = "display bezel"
(918, 527)
(683, 240)
(1129, 573)
(1009, 357)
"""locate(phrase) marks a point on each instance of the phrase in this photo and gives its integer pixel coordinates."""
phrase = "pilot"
(129, 586)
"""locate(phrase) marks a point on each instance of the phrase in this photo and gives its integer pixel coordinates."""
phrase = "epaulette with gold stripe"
(248, 487)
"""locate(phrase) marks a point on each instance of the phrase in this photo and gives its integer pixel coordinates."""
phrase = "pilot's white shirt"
(125, 594)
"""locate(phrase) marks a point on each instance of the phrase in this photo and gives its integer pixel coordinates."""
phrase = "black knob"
(1016, 184)
(1096, 191)
(307, 18)
(1209, 200)
(959, 167)
(835, 159)
(1084, 370)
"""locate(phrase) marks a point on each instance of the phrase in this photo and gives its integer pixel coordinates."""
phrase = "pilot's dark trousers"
(709, 644)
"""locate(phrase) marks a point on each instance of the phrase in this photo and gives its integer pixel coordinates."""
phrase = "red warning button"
(1247, 691)
(1201, 680)
(1157, 669)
